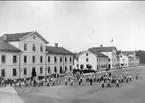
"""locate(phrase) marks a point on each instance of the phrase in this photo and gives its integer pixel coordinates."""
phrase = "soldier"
(102, 83)
(136, 76)
(48, 80)
(19, 83)
(71, 82)
(91, 80)
(117, 83)
(66, 80)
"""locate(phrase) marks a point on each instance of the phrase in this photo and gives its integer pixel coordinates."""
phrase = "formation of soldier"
(107, 80)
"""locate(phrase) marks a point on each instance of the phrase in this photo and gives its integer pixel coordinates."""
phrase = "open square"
(132, 92)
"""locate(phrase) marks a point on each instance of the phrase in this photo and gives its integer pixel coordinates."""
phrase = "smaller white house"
(123, 60)
(91, 58)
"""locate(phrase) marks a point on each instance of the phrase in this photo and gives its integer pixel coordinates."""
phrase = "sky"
(78, 25)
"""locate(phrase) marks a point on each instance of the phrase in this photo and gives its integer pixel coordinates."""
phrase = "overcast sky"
(78, 25)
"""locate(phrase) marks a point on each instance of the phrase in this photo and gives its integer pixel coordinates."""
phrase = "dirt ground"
(132, 92)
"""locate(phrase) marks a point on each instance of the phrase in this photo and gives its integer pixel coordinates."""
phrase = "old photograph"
(72, 51)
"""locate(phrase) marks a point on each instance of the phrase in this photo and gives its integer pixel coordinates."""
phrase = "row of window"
(98, 59)
(33, 47)
(3, 59)
(61, 59)
(3, 74)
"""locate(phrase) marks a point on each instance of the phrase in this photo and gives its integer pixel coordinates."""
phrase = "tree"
(82, 66)
(89, 67)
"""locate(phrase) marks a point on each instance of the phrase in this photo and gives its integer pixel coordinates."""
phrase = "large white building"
(111, 52)
(23, 53)
(91, 57)
(59, 60)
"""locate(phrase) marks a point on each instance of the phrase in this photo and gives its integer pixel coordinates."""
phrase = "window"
(65, 68)
(33, 47)
(70, 59)
(61, 69)
(14, 72)
(60, 59)
(41, 59)
(3, 73)
(77, 59)
(87, 60)
(33, 37)
(48, 69)
(48, 58)
(41, 70)
(25, 47)
(65, 59)
(41, 48)
(25, 59)
(109, 59)
(55, 69)
(3, 58)
(77, 65)
(86, 54)
(14, 59)
(25, 71)
(33, 59)
(70, 68)
(55, 59)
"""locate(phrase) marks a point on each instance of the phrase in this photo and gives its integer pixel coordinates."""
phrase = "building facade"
(124, 60)
(111, 52)
(31, 55)
(133, 59)
(59, 60)
(96, 59)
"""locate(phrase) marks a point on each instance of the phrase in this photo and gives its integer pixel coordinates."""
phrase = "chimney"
(56, 44)
(101, 45)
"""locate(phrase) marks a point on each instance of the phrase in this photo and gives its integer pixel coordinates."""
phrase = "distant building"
(133, 59)
(124, 60)
(111, 52)
(91, 58)
(59, 60)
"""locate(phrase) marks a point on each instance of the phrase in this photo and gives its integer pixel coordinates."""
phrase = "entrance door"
(33, 72)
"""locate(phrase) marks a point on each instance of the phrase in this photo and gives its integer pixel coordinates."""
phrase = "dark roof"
(5, 46)
(104, 49)
(58, 50)
(128, 52)
(18, 36)
(94, 51)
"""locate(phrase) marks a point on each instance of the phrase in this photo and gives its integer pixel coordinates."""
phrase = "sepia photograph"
(82, 51)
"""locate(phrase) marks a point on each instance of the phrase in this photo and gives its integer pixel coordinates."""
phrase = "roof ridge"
(20, 33)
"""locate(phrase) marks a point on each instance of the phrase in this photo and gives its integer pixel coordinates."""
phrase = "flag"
(112, 41)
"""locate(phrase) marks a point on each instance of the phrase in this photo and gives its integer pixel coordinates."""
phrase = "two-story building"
(92, 58)
(111, 52)
(32, 57)
(9, 57)
(124, 60)
(134, 60)
(59, 60)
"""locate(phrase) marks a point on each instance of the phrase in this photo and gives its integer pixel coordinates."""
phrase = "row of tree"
(141, 55)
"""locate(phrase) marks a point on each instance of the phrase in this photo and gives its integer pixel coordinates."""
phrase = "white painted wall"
(92, 60)
(57, 64)
(123, 59)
